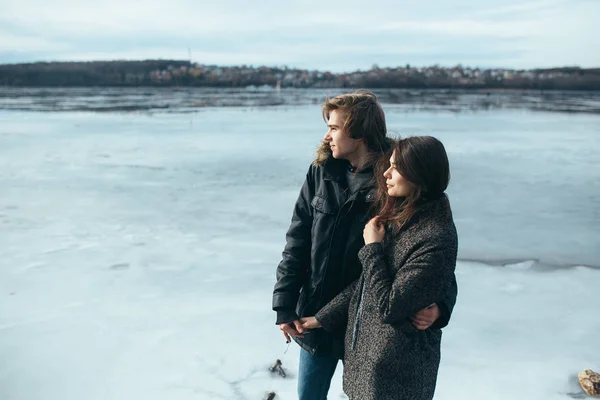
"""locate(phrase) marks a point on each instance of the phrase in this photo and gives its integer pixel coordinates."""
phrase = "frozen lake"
(138, 251)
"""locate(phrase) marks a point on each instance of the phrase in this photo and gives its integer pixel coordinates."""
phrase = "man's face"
(342, 145)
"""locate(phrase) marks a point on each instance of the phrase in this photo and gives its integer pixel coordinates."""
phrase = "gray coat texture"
(386, 357)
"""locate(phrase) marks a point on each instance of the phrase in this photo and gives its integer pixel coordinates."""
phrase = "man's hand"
(293, 328)
(426, 317)
(310, 323)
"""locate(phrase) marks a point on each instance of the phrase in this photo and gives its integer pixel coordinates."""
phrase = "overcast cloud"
(335, 35)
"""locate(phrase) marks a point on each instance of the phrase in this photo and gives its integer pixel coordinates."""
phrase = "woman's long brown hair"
(422, 160)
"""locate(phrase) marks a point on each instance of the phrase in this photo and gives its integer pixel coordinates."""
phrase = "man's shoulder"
(315, 171)
(329, 169)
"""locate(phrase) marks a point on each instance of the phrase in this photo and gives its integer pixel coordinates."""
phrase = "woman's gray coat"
(386, 357)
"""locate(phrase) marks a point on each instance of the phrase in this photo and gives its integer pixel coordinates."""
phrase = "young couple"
(367, 273)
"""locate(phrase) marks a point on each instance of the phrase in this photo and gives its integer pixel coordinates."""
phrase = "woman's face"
(397, 185)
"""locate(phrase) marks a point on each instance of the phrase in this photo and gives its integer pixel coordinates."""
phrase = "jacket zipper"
(337, 218)
(358, 315)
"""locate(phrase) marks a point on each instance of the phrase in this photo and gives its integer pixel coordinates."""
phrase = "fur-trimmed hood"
(323, 153)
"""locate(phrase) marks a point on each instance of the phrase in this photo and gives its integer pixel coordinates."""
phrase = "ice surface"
(138, 253)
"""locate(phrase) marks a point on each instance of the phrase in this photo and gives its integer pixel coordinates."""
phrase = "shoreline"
(189, 99)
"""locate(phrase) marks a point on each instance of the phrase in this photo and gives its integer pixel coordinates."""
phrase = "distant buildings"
(184, 73)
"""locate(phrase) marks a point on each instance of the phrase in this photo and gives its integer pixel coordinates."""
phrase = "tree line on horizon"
(184, 73)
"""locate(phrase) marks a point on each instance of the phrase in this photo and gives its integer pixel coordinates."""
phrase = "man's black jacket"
(321, 254)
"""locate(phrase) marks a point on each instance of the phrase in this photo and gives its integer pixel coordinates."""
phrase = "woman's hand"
(374, 231)
(310, 323)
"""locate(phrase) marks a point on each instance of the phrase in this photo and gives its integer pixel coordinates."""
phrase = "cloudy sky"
(335, 35)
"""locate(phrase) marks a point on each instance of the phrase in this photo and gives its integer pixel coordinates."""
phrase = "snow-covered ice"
(138, 252)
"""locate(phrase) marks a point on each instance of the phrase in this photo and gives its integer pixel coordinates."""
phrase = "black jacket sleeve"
(292, 271)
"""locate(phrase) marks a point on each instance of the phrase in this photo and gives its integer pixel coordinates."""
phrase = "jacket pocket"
(321, 204)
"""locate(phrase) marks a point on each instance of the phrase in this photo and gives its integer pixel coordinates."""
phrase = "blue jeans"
(314, 376)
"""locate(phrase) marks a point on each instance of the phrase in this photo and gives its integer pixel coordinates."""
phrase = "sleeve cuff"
(326, 323)
(444, 318)
(285, 316)
(369, 250)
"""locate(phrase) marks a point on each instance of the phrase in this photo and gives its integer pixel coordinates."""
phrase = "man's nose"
(327, 136)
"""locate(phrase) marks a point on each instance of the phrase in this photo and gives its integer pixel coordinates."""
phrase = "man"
(321, 254)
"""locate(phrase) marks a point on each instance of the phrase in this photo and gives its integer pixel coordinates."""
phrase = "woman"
(408, 263)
